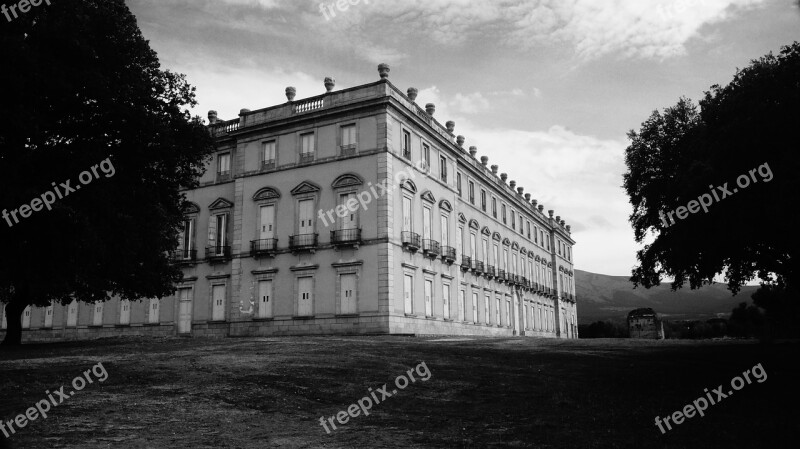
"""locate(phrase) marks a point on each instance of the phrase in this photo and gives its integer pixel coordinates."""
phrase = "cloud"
(471, 103)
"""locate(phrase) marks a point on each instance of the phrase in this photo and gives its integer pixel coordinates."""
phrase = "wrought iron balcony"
(490, 273)
(183, 256)
(348, 150)
(303, 242)
(223, 176)
(448, 254)
(344, 237)
(466, 262)
(305, 158)
(478, 267)
(501, 275)
(431, 248)
(263, 247)
(268, 164)
(219, 253)
(524, 282)
(411, 240)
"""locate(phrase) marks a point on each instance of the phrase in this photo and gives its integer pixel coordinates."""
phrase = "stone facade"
(270, 246)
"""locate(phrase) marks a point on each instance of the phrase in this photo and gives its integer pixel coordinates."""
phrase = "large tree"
(80, 85)
(690, 150)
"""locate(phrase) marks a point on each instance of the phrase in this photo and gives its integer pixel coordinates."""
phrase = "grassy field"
(501, 392)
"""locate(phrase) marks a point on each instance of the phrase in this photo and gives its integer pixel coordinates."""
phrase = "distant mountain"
(603, 297)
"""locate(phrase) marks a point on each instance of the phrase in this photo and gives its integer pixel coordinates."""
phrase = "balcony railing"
(448, 254)
(524, 282)
(466, 263)
(501, 275)
(268, 164)
(218, 253)
(490, 273)
(306, 158)
(302, 242)
(263, 247)
(343, 237)
(223, 176)
(348, 150)
(411, 240)
(478, 267)
(431, 248)
(183, 256)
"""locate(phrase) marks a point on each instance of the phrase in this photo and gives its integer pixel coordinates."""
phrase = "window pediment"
(506, 242)
(515, 245)
(496, 236)
(486, 231)
(445, 205)
(428, 196)
(305, 187)
(347, 180)
(461, 218)
(220, 203)
(267, 193)
(409, 185)
(190, 208)
(474, 224)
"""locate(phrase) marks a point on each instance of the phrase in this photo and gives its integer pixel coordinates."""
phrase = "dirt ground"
(482, 392)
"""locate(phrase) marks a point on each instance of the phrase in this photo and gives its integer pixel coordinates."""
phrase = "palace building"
(350, 212)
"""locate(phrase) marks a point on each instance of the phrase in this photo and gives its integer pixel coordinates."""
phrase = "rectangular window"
(472, 248)
(48, 317)
(486, 301)
(513, 219)
(471, 192)
(505, 259)
(485, 253)
(306, 217)
(265, 299)
(443, 169)
(541, 237)
(503, 213)
(408, 293)
(268, 155)
(307, 144)
(462, 304)
(186, 240)
(426, 156)
(407, 145)
(348, 294)
(529, 229)
(218, 233)
(483, 200)
(218, 297)
(475, 307)
(446, 301)
(223, 166)
(97, 318)
(427, 223)
(459, 240)
(494, 207)
(72, 313)
(495, 261)
(445, 230)
(154, 315)
(406, 214)
(536, 235)
(349, 221)
(185, 310)
(305, 297)
(458, 183)
(508, 312)
(124, 312)
(428, 297)
(497, 320)
(267, 223)
(348, 135)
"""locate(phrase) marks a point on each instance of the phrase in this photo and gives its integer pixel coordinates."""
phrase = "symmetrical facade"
(350, 212)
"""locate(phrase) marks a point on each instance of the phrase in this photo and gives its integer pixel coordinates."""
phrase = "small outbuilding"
(645, 323)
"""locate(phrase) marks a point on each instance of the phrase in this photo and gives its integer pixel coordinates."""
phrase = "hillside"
(603, 297)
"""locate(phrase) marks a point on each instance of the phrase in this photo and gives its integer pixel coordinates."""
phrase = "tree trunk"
(14, 320)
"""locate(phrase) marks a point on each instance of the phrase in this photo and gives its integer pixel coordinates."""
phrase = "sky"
(547, 89)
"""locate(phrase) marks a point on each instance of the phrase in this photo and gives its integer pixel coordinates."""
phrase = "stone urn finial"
(430, 108)
(412, 93)
(534, 203)
(569, 229)
(520, 190)
(503, 176)
(512, 184)
(528, 197)
(451, 126)
(290, 93)
(473, 150)
(329, 83)
(484, 160)
(212, 117)
(383, 70)
(494, 169)
(243, 111)
(551, 212)
(541, 208)
(563, 222)
(460, 141)
(558, 218)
